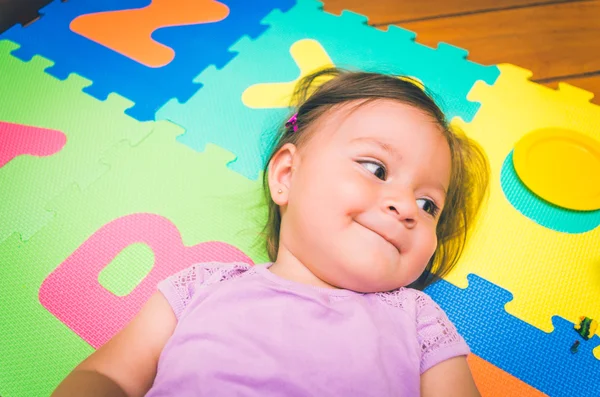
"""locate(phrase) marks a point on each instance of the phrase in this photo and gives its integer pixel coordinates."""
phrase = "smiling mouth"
(383, 237)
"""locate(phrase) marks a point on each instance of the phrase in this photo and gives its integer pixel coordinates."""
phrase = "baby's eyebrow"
(389, 149)
(439, 186)
(442, 189)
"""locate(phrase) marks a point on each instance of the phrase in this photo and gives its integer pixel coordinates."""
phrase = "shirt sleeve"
(439, 339)
(179, 288)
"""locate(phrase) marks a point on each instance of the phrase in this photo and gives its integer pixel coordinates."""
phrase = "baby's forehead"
(381, 118)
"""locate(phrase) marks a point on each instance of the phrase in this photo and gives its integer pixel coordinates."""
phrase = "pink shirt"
(243, 331)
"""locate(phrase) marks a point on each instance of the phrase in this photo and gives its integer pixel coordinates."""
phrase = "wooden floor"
(558, 40)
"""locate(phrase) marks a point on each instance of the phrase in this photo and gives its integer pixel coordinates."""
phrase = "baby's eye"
(428, 206)
(375, 168)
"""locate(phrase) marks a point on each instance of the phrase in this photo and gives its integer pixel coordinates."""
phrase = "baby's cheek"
(354, 194)
(432, 246)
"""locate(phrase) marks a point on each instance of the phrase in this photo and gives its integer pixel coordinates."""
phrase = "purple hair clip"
(293, 122)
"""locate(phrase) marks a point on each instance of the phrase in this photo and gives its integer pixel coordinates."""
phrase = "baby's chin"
(369, 276)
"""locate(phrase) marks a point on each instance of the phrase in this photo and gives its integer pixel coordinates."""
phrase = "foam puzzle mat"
(128, 154)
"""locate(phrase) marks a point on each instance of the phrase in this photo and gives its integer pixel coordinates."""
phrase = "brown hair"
(320, 91)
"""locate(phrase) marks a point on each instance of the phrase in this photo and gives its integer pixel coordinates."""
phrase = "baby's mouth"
(382, 236)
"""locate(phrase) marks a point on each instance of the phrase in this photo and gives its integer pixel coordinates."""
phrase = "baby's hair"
(324, 89)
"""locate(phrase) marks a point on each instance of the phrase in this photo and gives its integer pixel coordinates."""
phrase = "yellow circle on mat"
(560, 166)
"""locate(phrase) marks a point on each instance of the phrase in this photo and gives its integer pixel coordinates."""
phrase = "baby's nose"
(404, 209)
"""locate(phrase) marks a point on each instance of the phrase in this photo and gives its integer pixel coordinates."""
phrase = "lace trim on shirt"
(437, 330)
(185, 283)
(433, 326)
(395, 298)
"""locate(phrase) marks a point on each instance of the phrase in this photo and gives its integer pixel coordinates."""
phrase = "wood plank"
(550, 40)
(396, 11)
(589, 83)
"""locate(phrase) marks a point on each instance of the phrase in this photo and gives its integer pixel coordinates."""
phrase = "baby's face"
(362, 202)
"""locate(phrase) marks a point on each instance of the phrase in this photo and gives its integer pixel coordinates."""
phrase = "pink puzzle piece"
(73, 294)
(18, 139)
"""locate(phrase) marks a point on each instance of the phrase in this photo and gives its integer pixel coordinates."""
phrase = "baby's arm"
(444, 368)
(449, 378)
(126, 365)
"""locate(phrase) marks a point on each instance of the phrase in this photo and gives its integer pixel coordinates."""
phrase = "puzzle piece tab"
(216, 114)
(195, 47)
(30, 97)
(159, 178)
(549, 272)
(309, 56)
(543, 360)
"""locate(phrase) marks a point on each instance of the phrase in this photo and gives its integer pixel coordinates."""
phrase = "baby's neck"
(288, 267)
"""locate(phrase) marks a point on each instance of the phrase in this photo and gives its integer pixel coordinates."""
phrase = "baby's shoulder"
(208, 273)
(437, 336)
(407, 299)
(179, 288)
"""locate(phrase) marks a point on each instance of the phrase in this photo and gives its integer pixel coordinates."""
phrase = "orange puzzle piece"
(494, 382)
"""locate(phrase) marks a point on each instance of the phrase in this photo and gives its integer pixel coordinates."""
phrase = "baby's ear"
(280, 173)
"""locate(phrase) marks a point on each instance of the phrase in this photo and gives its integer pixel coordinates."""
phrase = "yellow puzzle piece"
(548, 272)
(309, 55)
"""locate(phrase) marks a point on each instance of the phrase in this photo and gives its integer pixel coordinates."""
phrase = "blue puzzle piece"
(217, 115)
(540, 359)
(195, 46)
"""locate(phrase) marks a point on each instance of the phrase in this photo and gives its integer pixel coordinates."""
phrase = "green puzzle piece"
(32, 97)
(195, 191)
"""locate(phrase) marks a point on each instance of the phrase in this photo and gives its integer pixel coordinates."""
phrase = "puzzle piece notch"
(552, 259)
(309, 56)
(90, 126)
(206, 75)
(348, 41)
(452, 50)
(169, 132)
(75, 81)
(147, 88)
(540, 359)
(567, 93)
(168, 161)
(575, 93)
(201, 209)
(442, 47)
(400, 33)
